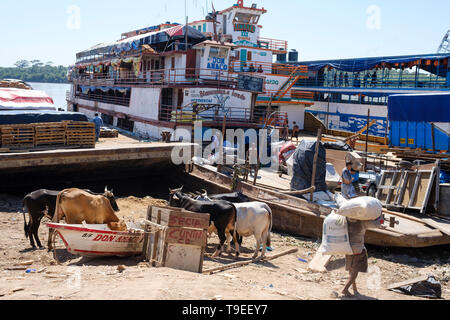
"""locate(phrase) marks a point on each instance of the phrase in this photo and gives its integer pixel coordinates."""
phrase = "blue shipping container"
(411, 117)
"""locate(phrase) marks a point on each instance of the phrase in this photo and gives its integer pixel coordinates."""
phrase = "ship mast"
(186, 27)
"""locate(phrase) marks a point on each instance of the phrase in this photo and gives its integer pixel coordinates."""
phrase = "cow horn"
(173, 191)
(205, 193)
(106, 188)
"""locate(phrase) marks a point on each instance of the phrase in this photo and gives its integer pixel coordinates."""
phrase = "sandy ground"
(283, 278)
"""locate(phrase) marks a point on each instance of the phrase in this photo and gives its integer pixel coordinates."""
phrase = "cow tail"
(269, 242)
(25, 225)
(235, 223)
(57, 207)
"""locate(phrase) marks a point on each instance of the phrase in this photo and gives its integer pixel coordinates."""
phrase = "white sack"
(362, 208)
(335, 240)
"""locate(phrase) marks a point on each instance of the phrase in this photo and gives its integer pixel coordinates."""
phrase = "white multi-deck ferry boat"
(154, 79)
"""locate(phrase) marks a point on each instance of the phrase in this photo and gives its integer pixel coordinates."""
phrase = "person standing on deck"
(295, 132)
(253, 159)
(98, 125)
(358, 262)
(348, 190)
(374, 79)
(355, 179)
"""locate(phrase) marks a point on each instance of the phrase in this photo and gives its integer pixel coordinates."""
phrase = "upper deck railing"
(277, 46)
(235, 115)
(368, 81)
(267, 68)
(162, 77)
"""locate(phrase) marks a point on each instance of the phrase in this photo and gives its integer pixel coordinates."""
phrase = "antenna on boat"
(186, 27)
(214, 17)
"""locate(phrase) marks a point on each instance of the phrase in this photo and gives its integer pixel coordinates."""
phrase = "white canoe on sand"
(99, 240)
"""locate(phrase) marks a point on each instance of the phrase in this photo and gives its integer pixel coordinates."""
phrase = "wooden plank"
(433, 179)
(193, 237)
(414, 190)
(440, 224)
(407, 282)
(320, 262)
(244, 263)
(390, 192)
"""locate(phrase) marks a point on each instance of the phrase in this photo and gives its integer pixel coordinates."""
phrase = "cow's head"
(112, 200)
(174, 200)
(202, 196)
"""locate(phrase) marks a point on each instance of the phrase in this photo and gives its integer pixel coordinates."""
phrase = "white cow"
(254, 218)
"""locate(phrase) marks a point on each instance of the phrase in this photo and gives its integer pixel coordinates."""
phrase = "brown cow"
(77, 205)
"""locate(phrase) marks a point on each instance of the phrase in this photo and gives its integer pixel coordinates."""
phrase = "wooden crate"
(49, 134)
(17, 136)
(410, 189)
(109, 133)
(80, 134)
(182, 243)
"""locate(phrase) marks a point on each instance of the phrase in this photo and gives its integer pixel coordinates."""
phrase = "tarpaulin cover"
(431, 289)
(152, 38)
(362, 64)
(26, 117)
(303, 167)
(420, 107)
(21, 99)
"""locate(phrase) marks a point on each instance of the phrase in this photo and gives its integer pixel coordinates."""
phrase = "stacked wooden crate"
(80, 134)
(50, 134)
(17, 136)
(109, 133)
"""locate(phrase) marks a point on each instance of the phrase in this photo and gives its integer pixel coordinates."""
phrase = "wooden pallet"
(109, 134)
(50, 134)
(410, 189)
(17, 136)
(80, 133)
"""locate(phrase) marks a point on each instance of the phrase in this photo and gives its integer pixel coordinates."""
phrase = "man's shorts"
(357, 262)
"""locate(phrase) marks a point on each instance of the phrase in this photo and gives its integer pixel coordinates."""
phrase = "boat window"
(243, 17)
(216, 52)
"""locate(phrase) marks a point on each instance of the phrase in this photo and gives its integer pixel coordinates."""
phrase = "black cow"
(37, 203)
(222, 214)
(235, 197)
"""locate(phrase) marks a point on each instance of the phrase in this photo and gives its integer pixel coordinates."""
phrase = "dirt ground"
(280, 279)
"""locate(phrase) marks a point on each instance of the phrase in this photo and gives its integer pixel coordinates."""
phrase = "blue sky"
(317, 29)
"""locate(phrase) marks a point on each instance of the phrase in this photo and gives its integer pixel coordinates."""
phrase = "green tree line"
(35, 71)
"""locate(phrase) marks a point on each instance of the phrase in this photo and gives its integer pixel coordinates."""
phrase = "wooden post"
(316, 155)
(145, 256)
(155, 240)
(224, 127)
(255, 178)
(367, 139)
(433, 137)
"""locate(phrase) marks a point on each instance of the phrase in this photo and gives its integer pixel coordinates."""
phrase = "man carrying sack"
(344, 232)
(358, 262)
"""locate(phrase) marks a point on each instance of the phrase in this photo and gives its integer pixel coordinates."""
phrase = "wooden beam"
(316, 155)
(244, 263)
(300, 192)
(407, 282)
(320, 262)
